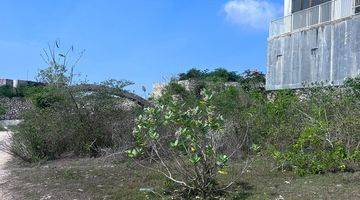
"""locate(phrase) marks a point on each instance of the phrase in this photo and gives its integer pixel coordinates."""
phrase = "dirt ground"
(85, 178)
(4, 173)
(114, 178)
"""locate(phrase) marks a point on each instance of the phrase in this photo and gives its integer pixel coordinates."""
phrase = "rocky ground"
(14, 107)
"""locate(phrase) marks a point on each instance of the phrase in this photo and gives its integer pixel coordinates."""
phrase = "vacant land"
(108, 178)
(209, 129)
(4, 173)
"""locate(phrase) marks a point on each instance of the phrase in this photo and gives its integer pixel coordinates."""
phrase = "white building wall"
(287, 7)
(327, 54)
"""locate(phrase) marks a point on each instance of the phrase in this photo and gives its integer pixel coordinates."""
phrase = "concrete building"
(316, 41)
(17, 83)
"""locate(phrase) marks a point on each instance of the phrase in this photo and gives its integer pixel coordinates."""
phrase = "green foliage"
(249, 80)
(252, 80)
(2, 109)
(65, 120)
(324, 136)
(48, 96)
(323, 121)
(6, 91)
(218, 75)
(116, 84)
(174, 89)
(10, 92)
(353, 83)
(54, 74)
(192, 74)
(22, 91)
(313, 153)
(189, 156)
(222, 75)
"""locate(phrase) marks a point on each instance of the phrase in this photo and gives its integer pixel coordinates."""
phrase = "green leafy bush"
(10, 92)
(312, 153)
(6, 91)
(71, 123)
(278, 121)
(49, 96)
(324, 136)
(22, 91)
(192, 74)
(249, 80)
(70, 119)
(189, 154)
(2, 110)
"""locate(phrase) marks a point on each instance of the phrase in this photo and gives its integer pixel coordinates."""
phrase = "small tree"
(58, 60)
(189, 156)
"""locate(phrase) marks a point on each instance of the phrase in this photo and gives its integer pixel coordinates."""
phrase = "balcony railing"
(357, 6)
(326, 12)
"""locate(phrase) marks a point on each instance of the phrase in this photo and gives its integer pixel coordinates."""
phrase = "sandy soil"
(4, 157)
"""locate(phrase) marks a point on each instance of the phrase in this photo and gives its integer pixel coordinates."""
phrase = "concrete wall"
(6, 82)
(328, 53)
(18, 83)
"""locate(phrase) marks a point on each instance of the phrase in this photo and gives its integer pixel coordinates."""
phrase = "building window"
(314, 51)
(279, 61)
(298, 5)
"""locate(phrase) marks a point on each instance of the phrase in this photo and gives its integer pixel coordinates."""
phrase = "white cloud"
(252, 13)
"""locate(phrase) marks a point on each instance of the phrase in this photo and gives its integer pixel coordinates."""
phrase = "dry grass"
(108, 179)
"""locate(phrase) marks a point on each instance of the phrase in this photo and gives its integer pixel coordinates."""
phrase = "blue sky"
(144, 41)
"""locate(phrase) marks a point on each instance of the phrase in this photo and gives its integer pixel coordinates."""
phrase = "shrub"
(67, 119)
(49, 96)
(43, 135)
(2, 110)
(325, 137)
(190, 157)
(279, 120)
(192, 74)
(22, 91)
(6, 91)
(83, 125)
(222, 75)
(244, 109)
(249, 80)
(252, 80)
(314, 153)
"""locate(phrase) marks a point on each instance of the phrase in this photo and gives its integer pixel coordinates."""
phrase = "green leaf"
(255, 147)
(153, 135)
(209, 150)
(133, 153)
(222, 160)
(195, 159)
(175, 143)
